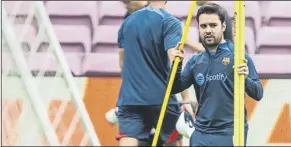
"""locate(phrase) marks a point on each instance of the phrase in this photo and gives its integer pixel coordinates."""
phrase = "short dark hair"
(125, 1)
(211, 8)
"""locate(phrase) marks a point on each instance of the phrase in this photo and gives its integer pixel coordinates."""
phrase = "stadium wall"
(270, 119)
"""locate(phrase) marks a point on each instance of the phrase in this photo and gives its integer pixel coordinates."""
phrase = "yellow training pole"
(239, 80)
(172, 76)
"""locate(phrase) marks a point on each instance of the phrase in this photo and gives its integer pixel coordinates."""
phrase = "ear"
(223, 26)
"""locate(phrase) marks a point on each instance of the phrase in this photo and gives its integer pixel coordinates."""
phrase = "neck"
(214, 48)
(158, 4)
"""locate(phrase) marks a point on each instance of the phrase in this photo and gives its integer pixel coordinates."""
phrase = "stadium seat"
(42, 62)
(73, 13)
(47, 62)
(17, 7)
(111, 12)
(76, 37)
(274, 40)
(252, 13)
(97, 23)
(101, 63)
(264, 8)
(272, 65)
(279, 13)
(27, 35)
(105, 38)
(37, 62)
(180, 9)
(19, 10)
(250, 40)
(75, 42)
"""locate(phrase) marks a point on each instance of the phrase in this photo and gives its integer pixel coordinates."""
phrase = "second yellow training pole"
(239, 82)
(173, 74)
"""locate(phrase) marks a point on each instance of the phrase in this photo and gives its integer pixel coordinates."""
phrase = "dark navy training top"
(213, 80)
(146, 35)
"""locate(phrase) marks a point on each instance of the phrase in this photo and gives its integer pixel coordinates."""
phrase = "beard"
(211, 41)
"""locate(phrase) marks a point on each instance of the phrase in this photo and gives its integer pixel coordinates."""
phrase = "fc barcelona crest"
(225, 60)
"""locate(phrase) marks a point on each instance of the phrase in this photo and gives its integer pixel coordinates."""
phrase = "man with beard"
(211, 73)
(197, 46)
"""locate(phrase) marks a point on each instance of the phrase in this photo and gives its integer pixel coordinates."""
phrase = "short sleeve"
(172, 32)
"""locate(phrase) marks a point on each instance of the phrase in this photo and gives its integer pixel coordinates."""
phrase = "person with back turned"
(148, 37)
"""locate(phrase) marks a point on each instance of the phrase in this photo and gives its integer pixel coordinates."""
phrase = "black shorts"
(137, 122)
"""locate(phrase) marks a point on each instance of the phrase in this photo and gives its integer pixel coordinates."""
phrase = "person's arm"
(185, 95)
(120, 47)
(195, 46)
(121, 55)
(253, 86)
(183, 79)
(172, 34)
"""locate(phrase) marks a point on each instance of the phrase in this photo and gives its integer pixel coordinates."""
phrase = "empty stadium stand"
(87, 31)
